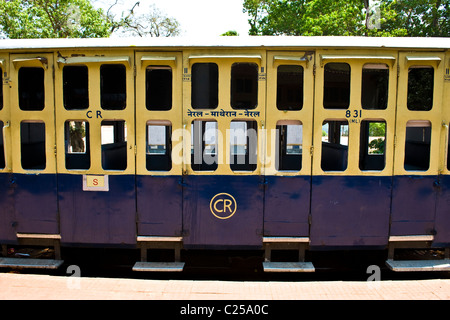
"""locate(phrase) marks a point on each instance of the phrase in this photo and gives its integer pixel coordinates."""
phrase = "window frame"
(283, 158)
(43, 151)
(122, 103)
(166, 106)
(244, 86)
(65, 102)
(212, 90)
(279, 88)
(164, 161)
(326, 90)
(83, 157)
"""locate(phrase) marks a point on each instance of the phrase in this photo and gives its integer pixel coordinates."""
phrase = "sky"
(197, 18)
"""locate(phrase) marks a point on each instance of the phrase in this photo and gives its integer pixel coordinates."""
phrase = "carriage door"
(95, 146)
(290, 91)
(223, 117)
(354, 121)
(418, 133)
(442, 225)
(158, 131)
(33, 151)
(7, 232)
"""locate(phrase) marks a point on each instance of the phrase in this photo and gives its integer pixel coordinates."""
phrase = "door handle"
(6, 126)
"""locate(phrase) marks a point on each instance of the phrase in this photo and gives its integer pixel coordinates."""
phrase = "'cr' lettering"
(227, 203)
(223, 205)
(98, 114)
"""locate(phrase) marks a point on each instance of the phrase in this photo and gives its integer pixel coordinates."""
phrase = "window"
(289, 147)
(113, 86)
(31, 89)
(158, 88)
(417, 145)
(334, 145)
(159, 146)
(75, 87)
(204, 148)
(32, 145)
(205, 86)
(114, 145)
(289, 87)
(420, 88)
(372, 154)
(336, 91)
(244, 85)
(2, 148)
(77, 145)
(243, 145)
(375, 86)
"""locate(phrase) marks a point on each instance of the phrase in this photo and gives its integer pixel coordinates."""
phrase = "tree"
(419, 18)
(353, 17)
(79, 19)
(153, 22)
(304, 17)
(230, 33)
(52, 19)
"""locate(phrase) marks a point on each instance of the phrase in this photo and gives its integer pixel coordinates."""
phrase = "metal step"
(159, 266)
(30, 263)
(288, 266)
(419, 265)
(285, 240)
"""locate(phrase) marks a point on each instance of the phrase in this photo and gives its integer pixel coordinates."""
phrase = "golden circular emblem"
(223, 205)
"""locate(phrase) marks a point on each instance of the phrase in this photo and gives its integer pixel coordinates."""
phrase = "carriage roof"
(270, 42)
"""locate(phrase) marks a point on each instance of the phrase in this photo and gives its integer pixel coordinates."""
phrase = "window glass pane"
(159, 147)
(204, 152)
(289, 87)
(372, 145)
(32, 145)
(290, 145)
(336, 91)
(205, 86)
(420, 88)
(243, 145)
(158, 86)
(114, 145)
(31, 89)
(417, 145)
(77, 145)
(75, 87)
(113, 86)
(375, 84)
(156, 139)
(334, 145)
(244, 85)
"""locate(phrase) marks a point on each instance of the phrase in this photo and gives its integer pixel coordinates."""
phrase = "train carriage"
(260, 143)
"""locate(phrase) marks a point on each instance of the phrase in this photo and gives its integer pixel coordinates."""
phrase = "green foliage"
(418, 18)
(304, 17)
(377, 129)
(377, 146)
(352, 17)
(230, 33)
(52, 19)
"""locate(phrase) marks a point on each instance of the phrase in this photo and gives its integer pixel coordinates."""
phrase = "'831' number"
(353, 113)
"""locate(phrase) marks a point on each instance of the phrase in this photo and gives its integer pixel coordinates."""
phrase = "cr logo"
(223, 206)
